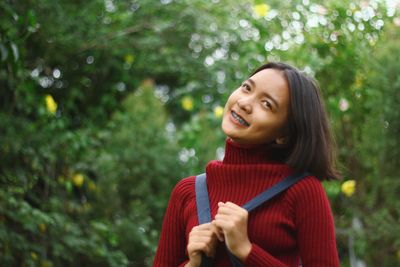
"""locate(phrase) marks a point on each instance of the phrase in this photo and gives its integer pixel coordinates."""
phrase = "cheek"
(229, 103)
(226, 108)
(270, 127)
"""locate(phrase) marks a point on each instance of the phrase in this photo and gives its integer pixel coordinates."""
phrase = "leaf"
(4, 52)
(14, 48)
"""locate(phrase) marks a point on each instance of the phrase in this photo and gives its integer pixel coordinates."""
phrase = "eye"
(267, 104)
(246, 87)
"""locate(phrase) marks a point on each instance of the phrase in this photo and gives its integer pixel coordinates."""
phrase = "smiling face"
(257, 112)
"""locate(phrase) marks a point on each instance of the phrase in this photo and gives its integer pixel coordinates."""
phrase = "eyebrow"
(264, 93)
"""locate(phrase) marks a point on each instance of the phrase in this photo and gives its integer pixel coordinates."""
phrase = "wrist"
(191, 264)
(244, 251)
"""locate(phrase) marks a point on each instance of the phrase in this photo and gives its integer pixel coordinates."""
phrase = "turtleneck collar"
(236, 153)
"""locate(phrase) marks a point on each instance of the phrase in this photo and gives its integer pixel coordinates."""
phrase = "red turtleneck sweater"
(296, 224)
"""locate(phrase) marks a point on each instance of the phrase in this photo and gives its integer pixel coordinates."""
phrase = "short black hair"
(310, 143)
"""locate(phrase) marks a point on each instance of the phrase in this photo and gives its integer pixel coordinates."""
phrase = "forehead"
(270, 79)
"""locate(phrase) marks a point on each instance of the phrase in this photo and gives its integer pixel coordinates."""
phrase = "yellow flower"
(42, 227)
(398, 254)
(372, 42)
(358, 82)
(218, 111)
(348, 188)
(34, 255)
(78, 179)
(91, 186)
(187, 103)
(129, 59)
(261, 9)
(51, 105)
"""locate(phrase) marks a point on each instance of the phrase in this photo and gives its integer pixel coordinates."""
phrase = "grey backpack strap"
(273, 191)
(202, 200)
(203, 209)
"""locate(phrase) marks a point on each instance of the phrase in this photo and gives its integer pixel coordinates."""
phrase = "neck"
(236, 153)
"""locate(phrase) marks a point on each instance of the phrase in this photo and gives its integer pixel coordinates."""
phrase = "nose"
(245, 104)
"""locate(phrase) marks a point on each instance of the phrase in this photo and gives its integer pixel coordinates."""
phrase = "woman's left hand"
(232, 220)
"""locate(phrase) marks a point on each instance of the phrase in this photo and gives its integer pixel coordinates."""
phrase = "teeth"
(239, 119)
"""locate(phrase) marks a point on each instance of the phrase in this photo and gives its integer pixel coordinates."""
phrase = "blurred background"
(105, 105)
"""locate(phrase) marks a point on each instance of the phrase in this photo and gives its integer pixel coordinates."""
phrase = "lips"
(239, 119)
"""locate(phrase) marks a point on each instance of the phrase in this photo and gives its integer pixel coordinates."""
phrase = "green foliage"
(135, 165)
(200, 138)
(380, 156)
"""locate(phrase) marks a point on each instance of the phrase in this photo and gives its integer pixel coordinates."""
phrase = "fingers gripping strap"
(273, 191)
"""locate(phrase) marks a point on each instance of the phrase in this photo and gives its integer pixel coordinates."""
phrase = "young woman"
(276, 125)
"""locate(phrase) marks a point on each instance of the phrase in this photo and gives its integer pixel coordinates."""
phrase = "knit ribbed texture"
(297, 223)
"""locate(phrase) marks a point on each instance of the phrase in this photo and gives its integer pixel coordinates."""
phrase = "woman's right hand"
(202, 239)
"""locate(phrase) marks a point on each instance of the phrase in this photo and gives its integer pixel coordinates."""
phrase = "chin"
(229, 131)
(234, 136)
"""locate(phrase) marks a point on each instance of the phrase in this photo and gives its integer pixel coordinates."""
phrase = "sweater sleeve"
(315, 229)
(315, 225)
(171, 250)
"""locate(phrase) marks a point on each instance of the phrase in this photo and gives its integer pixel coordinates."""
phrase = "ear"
(281, 141)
